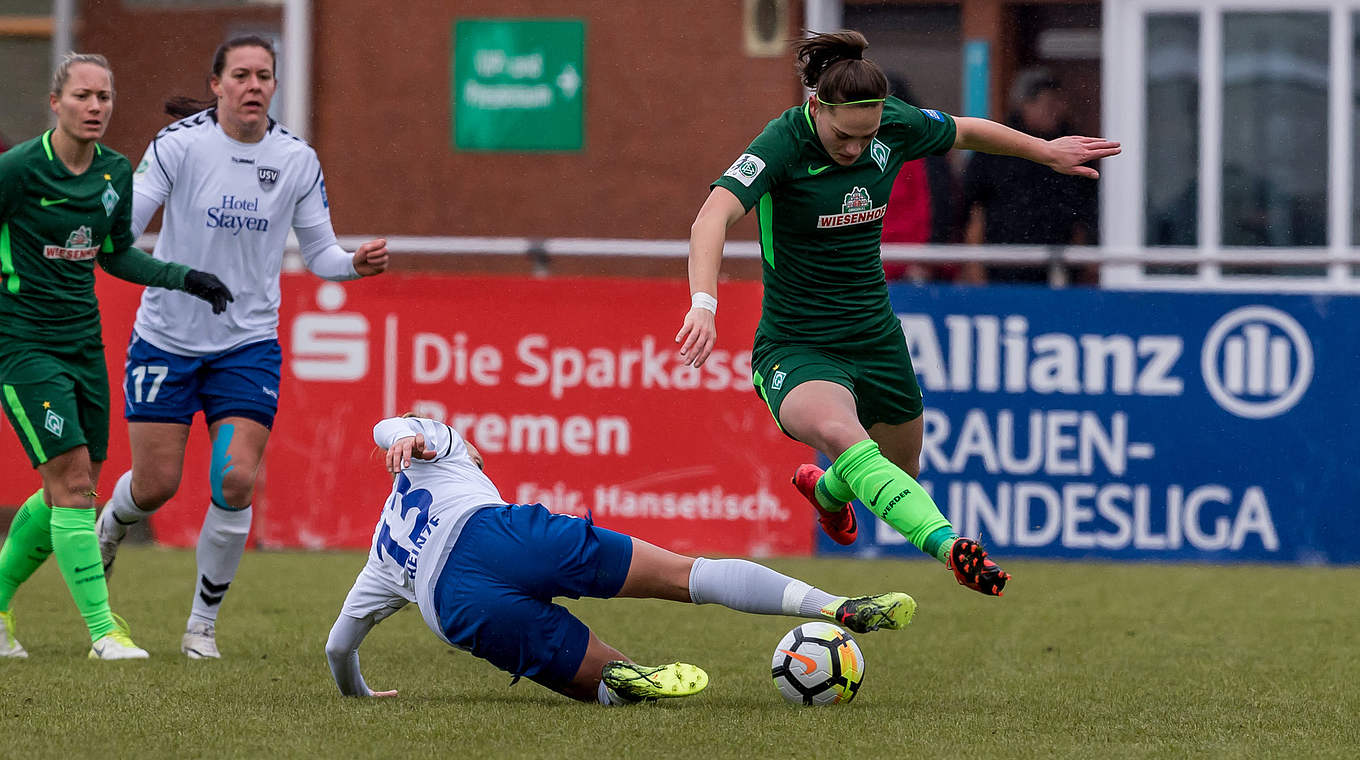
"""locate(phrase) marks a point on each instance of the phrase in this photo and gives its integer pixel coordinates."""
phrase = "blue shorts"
(494, 595)
(163, 387)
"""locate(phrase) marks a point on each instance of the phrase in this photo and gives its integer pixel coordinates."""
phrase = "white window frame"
(1123, 203)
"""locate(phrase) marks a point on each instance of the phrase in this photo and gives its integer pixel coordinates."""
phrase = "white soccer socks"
(221, 543)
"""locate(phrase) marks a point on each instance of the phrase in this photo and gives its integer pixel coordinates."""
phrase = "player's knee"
(335, 647)
(151, 490)
(837, 435)
(69, 488)
(238, 487)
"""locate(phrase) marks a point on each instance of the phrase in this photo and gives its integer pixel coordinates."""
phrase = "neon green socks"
(77, 551)
(863, 472)
(26, 547)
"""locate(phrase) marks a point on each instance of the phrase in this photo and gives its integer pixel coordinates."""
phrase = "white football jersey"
(228, 208)
(424, 514)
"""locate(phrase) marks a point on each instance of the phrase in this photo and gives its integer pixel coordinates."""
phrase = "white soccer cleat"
(110, 533)
(9, 646)
(117, 645)
(200, 642)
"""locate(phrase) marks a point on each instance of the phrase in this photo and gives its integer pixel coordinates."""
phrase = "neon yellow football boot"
(639, 683)
(863, 614)
(117, 645)
(10, 646)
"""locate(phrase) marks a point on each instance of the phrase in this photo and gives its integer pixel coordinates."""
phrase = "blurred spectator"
(921, 208)
(1014, 201)
(4, 145)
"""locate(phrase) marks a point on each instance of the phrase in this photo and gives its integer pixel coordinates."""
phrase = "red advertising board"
(571, 388)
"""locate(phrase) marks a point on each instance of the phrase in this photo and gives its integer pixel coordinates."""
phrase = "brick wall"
(671, 100)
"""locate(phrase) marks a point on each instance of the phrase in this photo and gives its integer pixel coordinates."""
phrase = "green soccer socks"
(77, 552)
(26, 547)
(863, 472)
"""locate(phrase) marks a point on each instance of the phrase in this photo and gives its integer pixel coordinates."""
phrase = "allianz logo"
(1256, 361)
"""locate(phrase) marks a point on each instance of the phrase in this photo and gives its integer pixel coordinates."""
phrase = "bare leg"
(657, 574)
(901, 444)
(822, 415)
(157, 462)
(585, 685)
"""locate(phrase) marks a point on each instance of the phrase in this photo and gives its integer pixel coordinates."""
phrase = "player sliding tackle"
(484, 574)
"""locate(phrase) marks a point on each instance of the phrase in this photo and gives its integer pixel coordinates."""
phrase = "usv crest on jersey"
(268, 176)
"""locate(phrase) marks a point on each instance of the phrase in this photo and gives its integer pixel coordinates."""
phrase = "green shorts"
(878, 373)
(56, 397)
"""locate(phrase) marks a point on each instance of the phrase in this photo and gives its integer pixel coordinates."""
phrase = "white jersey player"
(232, 205)
(484, 574)
(232, 182)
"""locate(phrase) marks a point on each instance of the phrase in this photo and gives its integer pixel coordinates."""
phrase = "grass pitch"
(1077, 660)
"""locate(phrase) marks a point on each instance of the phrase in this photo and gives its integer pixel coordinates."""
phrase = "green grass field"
(1078, 660)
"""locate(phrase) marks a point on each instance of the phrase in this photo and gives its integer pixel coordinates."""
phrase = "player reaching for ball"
(484, 573)
(830, 359)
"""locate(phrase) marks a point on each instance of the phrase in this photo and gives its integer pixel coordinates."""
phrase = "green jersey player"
(830, 359)
(65, 203)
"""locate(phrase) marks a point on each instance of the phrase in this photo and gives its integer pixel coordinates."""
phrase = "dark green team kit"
(53, 226)
(825, 314)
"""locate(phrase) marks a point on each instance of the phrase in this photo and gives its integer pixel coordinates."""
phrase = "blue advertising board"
(1130, 425)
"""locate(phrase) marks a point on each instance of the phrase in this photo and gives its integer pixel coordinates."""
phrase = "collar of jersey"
(47, 148)
(807, 113)
(812, 130)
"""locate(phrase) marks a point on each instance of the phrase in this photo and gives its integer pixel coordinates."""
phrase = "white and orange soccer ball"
(818, 664)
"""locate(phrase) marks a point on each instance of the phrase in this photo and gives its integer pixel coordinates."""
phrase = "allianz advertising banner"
(1137, 425)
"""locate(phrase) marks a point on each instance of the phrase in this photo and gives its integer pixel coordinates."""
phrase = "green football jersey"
(52, 225)
(821, 224)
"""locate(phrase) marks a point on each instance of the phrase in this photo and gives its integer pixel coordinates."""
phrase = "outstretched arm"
(342, 652)
(324, 257)
(1065, 155)
(706, 238)
(136, 266)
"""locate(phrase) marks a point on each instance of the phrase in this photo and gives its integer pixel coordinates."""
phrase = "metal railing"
(1342, 266)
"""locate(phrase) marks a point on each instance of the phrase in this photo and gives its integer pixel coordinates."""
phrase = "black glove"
(206, 286)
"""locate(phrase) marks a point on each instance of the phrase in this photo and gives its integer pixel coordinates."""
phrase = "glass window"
(1355, 134)
(1171, 171)
(1275, 79)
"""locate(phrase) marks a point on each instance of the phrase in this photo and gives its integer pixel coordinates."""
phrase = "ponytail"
(834, 66)
(180, 106)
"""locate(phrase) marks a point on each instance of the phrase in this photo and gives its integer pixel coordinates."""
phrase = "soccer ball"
(817, 664)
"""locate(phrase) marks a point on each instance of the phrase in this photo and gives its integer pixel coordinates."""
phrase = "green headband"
(852, 102)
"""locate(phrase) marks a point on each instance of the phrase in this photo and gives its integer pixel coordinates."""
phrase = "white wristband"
(702, 300)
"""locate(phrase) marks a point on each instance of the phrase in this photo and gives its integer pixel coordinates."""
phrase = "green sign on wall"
(518, 85)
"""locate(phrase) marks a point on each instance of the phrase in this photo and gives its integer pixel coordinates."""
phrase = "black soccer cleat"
(973, 569)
